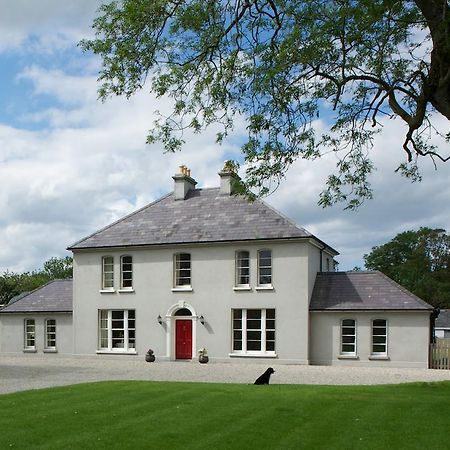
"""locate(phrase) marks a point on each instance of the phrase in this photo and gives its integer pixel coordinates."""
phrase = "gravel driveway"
(22, 372)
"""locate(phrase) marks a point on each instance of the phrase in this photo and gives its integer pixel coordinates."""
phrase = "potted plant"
(149, 356)
(203, 356)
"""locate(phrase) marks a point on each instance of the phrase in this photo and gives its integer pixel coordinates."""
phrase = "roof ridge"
(121, 220)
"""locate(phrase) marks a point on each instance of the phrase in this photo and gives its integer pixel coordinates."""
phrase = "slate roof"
(55, 296)
(338, 291)
(204, 216)
(443, 320)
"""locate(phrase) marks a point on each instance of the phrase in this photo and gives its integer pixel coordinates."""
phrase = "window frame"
(177, 269)
(354, 335)
(27, 332)
(260, 284)
(244, 330)
(105, 316)
(122, 271)
(47, 339)
(238, 269)
(385, 335)
(104, 272)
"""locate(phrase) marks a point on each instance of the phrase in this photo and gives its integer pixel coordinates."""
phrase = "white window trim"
(262, 286)
(181, 287)
(265, 287)
(252, 353)
(348, 355)
(47, 348)
(241, 286)
(379, 355)
(122, 287)
(29, 348)
(103, 287)
(110, 349)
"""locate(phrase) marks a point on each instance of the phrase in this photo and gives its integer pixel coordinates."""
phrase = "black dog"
(265, 377)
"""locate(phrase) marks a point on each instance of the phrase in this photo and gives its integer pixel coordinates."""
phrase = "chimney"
(228, 178)
(183, 183)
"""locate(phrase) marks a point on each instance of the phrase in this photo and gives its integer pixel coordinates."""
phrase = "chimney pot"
(228, 178)
(183, 183)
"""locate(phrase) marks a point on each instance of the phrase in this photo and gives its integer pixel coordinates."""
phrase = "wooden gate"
(440, 355)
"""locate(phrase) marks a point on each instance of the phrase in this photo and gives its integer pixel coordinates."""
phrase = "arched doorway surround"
(181, 320)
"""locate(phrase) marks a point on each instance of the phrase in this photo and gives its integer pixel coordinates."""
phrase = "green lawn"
(137, 414)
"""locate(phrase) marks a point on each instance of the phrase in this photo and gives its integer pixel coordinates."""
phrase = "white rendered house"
(204, 268)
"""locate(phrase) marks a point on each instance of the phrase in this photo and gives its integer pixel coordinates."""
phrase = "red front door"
(183, 339)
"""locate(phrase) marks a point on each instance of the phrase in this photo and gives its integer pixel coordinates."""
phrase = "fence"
(440, 355)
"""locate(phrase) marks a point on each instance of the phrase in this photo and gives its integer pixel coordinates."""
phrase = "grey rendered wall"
(213, 296)
(12, 332)
(408, 337)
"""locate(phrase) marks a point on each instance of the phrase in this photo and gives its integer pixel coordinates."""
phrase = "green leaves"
(13, 284)
(280, 64)
(418, 260)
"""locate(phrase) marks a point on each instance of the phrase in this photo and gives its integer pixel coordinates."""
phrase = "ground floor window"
(379, 337)
(30, 334)
(348, 337)
(253, 331)
(117, 330)
(50, 334)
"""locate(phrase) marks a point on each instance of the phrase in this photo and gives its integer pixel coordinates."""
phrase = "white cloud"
(45, 25)
(88, 165)
(89, 168)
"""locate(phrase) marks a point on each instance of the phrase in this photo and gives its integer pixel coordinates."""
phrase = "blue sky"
(70, 164)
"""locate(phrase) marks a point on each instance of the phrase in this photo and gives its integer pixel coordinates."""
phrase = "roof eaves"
(399, 286)
(312, 236)
(188, 243)
(370, 309)
(32, 311)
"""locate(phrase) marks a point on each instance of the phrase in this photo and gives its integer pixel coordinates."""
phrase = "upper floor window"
(50, 334)
(265, 268)
(29, 334)
(182, 270)
(348, 337)
(126, 272)
(108, 272)
(242, 268)
(379, 337)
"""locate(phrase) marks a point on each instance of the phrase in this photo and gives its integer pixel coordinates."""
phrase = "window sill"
(264, 288)
(182, 289)
(348, 357)
(253, 355)
(242, 288)
(126, 291)
(29, 350)
(379, 358)
(107, 291)
(50, 350)
(116, 352)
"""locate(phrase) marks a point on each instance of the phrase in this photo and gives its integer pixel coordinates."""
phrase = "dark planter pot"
(203, 359)
(150, 358)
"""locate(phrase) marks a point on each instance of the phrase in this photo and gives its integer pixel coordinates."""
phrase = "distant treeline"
(13, 284)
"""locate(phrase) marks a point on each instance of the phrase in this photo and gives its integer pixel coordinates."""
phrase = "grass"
(159, 415)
